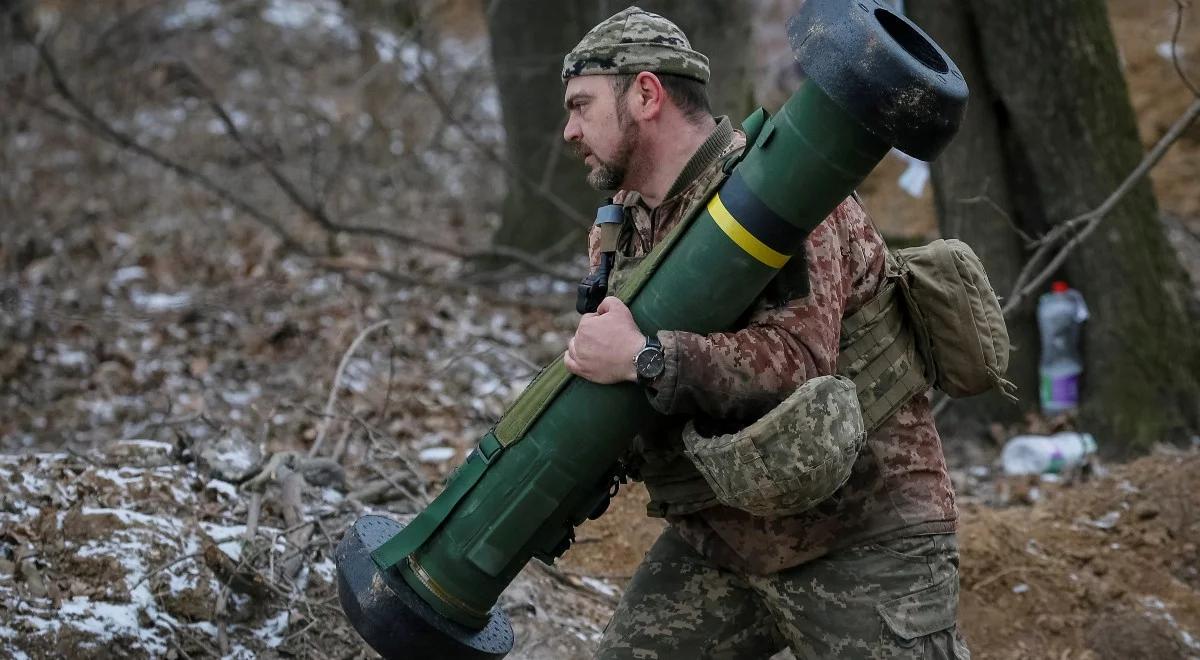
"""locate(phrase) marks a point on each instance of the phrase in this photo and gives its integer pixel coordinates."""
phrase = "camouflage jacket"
(899, 485)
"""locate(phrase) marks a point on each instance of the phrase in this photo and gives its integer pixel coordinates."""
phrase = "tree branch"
(85, 117)
(89, 119)
(1027, 282)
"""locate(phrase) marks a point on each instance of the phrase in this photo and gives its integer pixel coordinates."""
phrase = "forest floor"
(166, 367)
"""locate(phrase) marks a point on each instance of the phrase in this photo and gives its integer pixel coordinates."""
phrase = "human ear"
(648, 95)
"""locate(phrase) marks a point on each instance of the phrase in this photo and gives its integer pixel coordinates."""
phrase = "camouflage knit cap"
(633, 41)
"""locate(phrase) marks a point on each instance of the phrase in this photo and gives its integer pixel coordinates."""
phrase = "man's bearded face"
(600, 131)
(608, 174)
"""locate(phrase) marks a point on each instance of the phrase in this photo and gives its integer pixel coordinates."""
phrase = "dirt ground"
(1105, 568)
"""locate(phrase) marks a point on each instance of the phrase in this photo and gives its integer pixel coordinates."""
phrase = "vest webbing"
(878, 351)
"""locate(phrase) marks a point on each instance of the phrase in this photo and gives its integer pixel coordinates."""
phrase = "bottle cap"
(1059, 287)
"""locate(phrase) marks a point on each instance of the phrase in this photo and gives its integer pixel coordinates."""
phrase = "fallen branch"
(155, 571)
(337, 382)
(235, 575)
(291, 502)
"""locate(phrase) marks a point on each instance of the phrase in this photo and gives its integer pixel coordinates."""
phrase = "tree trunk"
(1068, 137)
(973, 182)
(529, 40)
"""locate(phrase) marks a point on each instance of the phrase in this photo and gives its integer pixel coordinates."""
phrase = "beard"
(610, 174)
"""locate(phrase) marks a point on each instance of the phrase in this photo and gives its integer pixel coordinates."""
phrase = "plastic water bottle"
(1041, 454)
(1060, 314)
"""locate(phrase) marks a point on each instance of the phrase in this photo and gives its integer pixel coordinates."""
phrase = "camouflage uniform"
(870, 572)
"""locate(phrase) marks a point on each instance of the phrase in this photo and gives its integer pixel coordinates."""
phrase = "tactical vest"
(878, 351)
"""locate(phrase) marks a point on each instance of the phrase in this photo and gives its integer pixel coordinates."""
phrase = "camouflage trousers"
(894, 599)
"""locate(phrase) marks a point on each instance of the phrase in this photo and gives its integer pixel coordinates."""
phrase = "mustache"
(580, 150)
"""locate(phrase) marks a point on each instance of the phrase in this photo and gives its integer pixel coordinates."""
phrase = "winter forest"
(269, 266)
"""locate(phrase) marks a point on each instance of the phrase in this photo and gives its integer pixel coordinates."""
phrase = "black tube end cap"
(883, 70)
(392, 618)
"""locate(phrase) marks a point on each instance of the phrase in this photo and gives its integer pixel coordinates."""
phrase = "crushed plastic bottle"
(1060, 314)
(1046, 454)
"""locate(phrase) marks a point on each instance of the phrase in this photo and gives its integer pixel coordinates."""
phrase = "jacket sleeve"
(744, 373)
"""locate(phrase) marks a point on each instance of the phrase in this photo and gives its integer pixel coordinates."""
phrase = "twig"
(439, 101)
(292, 504)
(252, 511)
(1008, 571)
(1180, 6)
(340, 448)
(988, 201)
(151, 573)
(579, 586)
(337, 382)
(236, 575)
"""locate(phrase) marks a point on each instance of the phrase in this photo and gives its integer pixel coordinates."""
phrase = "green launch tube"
(430, 589)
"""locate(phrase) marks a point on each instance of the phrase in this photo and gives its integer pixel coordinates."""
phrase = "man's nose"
(571, 131)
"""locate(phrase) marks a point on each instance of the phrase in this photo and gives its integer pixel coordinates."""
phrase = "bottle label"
(1060, 392)
(1057, 461)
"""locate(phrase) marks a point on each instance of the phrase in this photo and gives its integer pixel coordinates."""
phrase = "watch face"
(650, 363)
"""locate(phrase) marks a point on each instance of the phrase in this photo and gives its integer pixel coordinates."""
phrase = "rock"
(231, 457)
(1146, 510)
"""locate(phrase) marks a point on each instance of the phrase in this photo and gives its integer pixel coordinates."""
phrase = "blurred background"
(343, 235)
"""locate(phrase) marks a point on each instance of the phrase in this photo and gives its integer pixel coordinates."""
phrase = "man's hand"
(605, 344)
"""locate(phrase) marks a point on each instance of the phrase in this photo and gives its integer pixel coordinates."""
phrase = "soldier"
(871, 571)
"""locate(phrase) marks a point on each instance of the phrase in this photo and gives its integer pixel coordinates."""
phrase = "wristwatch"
(650, 362)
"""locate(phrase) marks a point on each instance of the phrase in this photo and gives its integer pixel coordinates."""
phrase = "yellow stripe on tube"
(743, 238)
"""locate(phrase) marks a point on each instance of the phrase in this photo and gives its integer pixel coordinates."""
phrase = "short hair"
(688, 94)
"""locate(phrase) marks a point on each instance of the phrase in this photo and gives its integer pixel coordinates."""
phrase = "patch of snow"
(1107, 521)
(1164, 50)
(243, 397)
(192, 12)
(436, 454)
(599, 585)
(107, 620)
(324, 15)
(69, 357)
(167, 526)
(222, 488)
(271, 632)
(326, 570)
(127, 274)
(160, 302)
